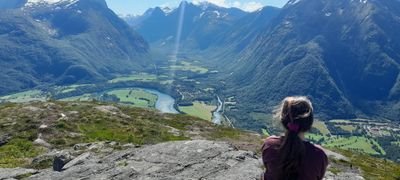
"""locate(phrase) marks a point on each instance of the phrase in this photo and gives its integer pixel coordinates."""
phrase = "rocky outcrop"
(4, 139)
(198, 159)
(15, 173)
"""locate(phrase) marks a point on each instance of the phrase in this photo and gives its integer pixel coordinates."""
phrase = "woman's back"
(313, 165)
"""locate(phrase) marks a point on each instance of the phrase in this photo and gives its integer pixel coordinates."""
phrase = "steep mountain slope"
(344, 54)
(10, 4)
(232, 41)
(201, 24)
(64, 41)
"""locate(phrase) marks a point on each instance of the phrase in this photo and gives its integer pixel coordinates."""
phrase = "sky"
(138, 7)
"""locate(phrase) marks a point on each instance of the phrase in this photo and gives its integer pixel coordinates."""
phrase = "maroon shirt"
(313, 166)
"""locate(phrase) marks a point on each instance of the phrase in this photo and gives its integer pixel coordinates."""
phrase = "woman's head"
(296, 114)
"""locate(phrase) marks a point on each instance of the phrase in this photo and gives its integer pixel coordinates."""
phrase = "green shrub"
(17, 153)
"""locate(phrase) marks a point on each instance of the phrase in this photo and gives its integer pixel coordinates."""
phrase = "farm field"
(321, 126)
(353, 143)
(27, 96)
(199, 109)
(83, 97)
(136, 97)
(144, 77)
(349, 128)
(71, 88)
(187, 66)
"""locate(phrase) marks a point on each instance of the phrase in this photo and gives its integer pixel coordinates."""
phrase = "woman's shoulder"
(272, 141)
(316, 150)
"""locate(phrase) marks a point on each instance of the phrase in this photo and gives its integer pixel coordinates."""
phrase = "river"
(165, 103)
(217, 114)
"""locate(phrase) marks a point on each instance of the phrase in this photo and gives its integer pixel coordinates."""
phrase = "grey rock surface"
(173, 160)
(343, 176)
(78, 160)
(15, 173)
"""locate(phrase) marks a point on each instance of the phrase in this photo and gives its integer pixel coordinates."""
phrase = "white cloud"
(171, 4)
(236, 4)
(221, 3)
(252, 6)
(247, 6)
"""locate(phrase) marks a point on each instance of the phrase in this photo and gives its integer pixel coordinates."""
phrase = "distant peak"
(48, 2)
(205, 4)
(30, 3)
(292, 2)
(154, 11)
(167, 10)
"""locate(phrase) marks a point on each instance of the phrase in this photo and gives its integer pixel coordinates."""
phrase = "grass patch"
(225, 133)
(321, 126)
(315, 137)
(374, 168)
(83, 97)
(97, 126)
(334, 170)
(136, 97)
(355, 143)
(86, 123)
(199, 109)
(187, 66)
(144, 77)
(71, 88)
(17, 153)
(265, 132)
(27, 96)
(348, 128)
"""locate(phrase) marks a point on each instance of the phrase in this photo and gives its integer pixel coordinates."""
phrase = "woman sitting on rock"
(290, 157)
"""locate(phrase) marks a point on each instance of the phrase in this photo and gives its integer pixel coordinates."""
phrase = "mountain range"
(196, 25)
(343, 54)
(64, 42)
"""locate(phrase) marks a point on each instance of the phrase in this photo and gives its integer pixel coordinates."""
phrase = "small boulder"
(108, 109)
(42, 142)
(4, 139)
(43, 126)
(112, 110)
(60, 160)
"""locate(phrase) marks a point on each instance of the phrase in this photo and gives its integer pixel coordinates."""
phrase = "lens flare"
(174, 57)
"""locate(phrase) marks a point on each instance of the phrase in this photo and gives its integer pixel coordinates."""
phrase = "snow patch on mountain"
(361, 1)
(292, 2)
(217, 13)
(168, 10)
(49, 2)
